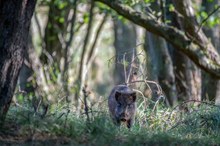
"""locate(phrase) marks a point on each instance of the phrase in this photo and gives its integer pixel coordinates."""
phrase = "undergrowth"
(163, 126)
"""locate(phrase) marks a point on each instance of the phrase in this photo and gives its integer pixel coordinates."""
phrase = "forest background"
(63, 69)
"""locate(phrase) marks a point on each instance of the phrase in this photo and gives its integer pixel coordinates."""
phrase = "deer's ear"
(117, 94)
(133, 95)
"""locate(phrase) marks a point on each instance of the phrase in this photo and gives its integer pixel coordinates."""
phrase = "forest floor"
(165, 127)
(11, 134)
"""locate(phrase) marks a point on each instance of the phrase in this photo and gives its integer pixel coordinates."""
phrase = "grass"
(63, 126)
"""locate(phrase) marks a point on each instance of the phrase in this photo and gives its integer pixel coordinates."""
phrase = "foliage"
(211, 18)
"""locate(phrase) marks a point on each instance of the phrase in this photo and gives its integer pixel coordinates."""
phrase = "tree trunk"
(160, 64)
(14, 26)
(25, 79)
(197, 48)
(211, 85)
(55, 32)
(217, 98)
(53, 28)
(188, 78)
(188, 75)
(125, 49)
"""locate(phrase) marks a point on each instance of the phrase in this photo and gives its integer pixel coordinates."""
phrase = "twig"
(60, 116)
(18, 105)
(85, 92)
(96, 37)
(144, 98)
(130, 69)
(124, 65)
(68, 111)
(155, 105)
(204, 20)
(38, 105)
(148, 81)
(128, 52)
(93, 112)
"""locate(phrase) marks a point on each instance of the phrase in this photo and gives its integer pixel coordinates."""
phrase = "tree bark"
(188, 78)
(205, 56)
(25, 79)
(125, 48)
(81, 75)
(161, 66)
(211, 85)
(188, 75)
(15, 19)
(65, 74)
(53, 28)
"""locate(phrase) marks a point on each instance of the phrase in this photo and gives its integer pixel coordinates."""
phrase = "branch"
(209, 15)
(86, 41)
(96, 38)
(206, 58)
(68, 42)
(86, 108)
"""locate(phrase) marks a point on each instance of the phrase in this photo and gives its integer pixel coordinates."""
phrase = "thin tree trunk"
(81, 75)
(65, 75)
(25, 78)
(14, 27)
(188, 75)
(217, 98)
(52, 44)
(188, 78)
(211, 85)
(160, 67)
(125, 49)
(160, 64)
(53, 51)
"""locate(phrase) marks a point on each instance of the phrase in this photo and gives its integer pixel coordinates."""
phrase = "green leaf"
(62, 5)
(61, 20)
(204, 14)
(217, 20)
(86, 17)
(149, 1)
(171, 8)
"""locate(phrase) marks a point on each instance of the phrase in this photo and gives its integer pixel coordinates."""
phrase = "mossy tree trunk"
(211, 85)
(187, 74)
(14, 27)
(160, 65)
(202, 54)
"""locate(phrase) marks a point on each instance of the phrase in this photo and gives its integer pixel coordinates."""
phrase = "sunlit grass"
(163, 126)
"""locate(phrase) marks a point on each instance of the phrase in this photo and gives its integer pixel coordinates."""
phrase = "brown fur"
(122, 105)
